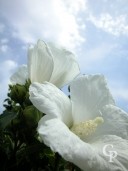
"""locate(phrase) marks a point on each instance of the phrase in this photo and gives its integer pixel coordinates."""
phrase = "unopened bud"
(31, 115)
(18, 93)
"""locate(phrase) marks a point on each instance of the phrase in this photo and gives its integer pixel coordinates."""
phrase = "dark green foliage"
(20, 148)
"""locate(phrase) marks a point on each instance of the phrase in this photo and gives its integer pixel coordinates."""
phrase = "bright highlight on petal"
(89, 93)
(40, 63)
(50, 100)
(65, 65)
(48, 62)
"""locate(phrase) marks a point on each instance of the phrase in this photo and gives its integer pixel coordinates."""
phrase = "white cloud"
(74, 6)
(2, 26)
(6, 69)
(4, 41)
(119, 89)
(109, 16)
(4, 45)
(121, 96)
(92, 56)
(115, 25)
(3, 48)
(55, 20)
(120, 93)
(61, 21)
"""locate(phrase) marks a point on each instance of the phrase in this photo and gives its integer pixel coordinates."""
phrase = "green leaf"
(6, 118)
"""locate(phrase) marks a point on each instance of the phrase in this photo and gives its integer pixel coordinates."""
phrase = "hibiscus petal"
(88, 95)
(109, 143)
(115, 122)
(20, 76)
(65, 66)
(59, 138)
(40, 62)
(50, 100)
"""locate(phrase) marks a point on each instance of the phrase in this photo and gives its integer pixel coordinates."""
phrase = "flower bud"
(18, 93)
(31, 116)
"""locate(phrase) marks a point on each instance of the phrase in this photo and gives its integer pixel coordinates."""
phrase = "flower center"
(86, 128)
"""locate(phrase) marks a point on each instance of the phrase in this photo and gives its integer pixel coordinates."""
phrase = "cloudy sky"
(95, 30)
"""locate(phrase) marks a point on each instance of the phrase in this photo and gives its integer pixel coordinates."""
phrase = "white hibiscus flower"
(47, 62)
(78, 128)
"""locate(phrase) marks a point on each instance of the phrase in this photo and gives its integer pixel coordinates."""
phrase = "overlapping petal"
(52, 101)
(65, 65)
(89, 94)
(60, 139)
(87, 156)
(20, 76)
(40, 62)
(49, 63)
(120, 146)
(115, 122)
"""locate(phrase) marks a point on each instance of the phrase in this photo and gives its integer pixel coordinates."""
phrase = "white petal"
(20, 76)
(50, 100)
(119, 145)
(66, 67)
(115, 122)
(88, 95)
(59, 138)
(40, 62)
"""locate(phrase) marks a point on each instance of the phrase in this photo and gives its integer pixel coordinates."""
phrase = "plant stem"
(57, 159)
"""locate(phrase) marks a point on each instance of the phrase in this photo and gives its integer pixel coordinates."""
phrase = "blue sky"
(95, 30)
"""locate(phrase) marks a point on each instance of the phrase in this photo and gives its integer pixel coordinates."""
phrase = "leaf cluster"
(20, 146)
